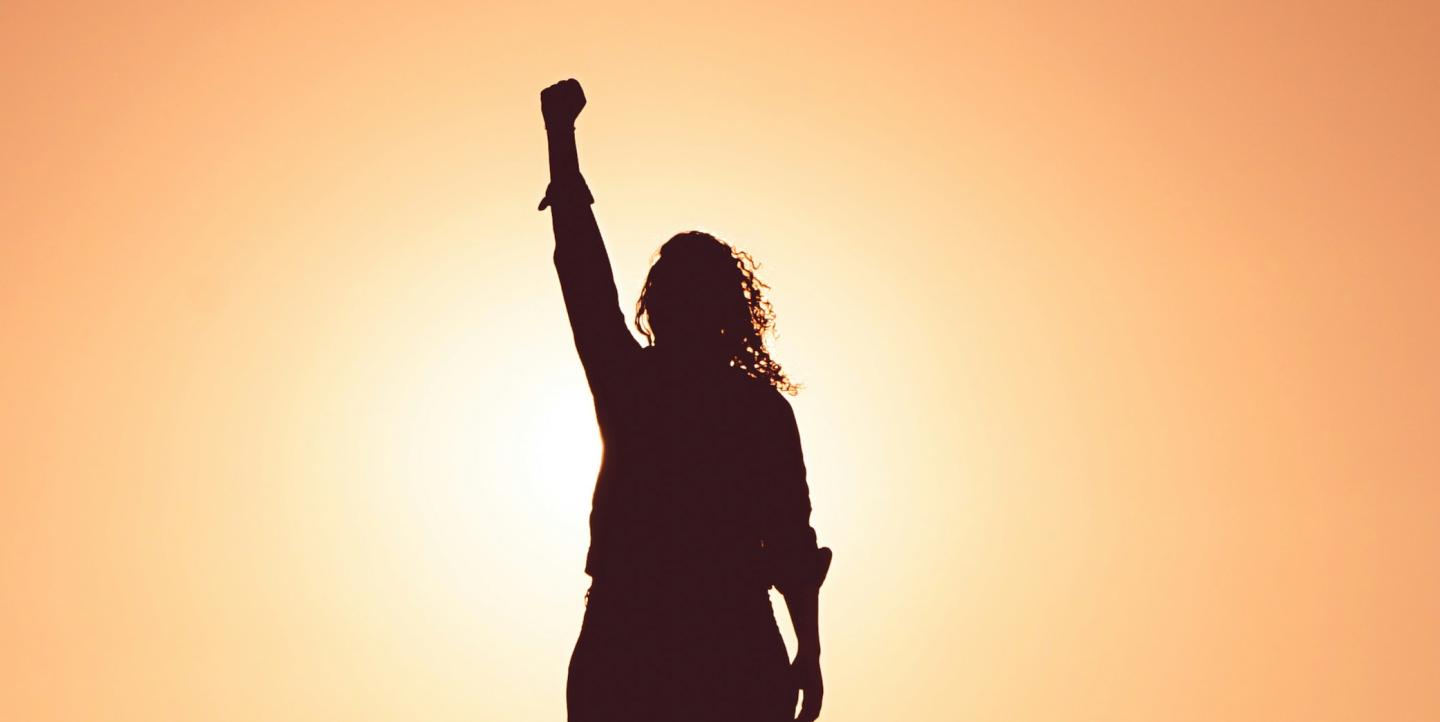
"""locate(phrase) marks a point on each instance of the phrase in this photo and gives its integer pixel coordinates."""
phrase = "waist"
(700, 579)
(680, 598)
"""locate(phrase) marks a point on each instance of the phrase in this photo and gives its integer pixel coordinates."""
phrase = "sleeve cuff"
(568, 190)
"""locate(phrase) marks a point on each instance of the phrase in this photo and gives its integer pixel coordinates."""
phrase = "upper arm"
(789, 457)
(789, 491)
(602, 338)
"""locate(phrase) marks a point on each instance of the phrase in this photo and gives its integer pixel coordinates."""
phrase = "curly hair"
(698, 280)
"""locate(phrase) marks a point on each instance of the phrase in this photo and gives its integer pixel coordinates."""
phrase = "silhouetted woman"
(701, 502)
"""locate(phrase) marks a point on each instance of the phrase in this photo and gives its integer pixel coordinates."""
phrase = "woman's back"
(688, 482)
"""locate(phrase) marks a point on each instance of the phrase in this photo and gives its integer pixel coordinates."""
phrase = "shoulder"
(774, 406)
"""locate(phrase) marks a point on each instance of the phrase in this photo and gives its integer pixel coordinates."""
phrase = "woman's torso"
(677, 501)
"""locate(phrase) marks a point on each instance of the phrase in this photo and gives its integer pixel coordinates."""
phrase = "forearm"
(577, 234)
(804, 606)
(564, 159)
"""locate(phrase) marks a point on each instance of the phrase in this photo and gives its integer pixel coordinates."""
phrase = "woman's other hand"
(806, 671)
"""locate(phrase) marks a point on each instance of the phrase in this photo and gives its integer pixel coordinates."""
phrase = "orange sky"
(1118, 326)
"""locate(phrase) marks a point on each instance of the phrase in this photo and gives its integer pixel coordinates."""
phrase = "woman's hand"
(561, 103)
(806, 672)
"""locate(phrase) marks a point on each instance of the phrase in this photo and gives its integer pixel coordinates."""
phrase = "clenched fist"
(561, 103)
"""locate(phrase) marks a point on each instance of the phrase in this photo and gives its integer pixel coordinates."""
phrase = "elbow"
(804, 573)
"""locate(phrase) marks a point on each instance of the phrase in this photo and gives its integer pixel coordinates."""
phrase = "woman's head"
(702, 297)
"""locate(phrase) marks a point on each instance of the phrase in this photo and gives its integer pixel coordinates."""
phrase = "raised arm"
(586, 280)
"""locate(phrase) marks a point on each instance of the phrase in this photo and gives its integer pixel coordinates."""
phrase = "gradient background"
(1118, 326)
